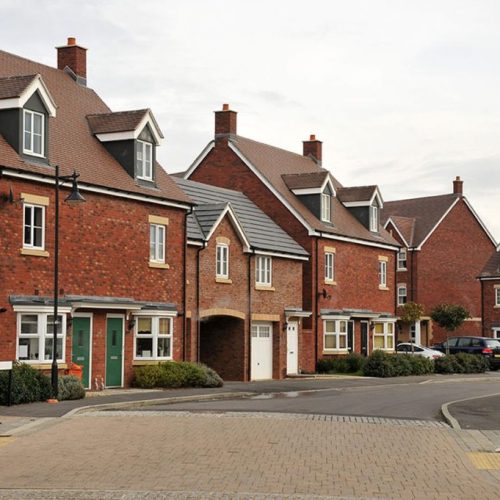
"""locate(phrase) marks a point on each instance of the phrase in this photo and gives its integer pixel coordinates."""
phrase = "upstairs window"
(497, 297)
(329, 267)
(402, 295)
(402, 260)
(374, 219)
(326, 208)
(34, 227)
(222, 261)
(33, 136)
(157, 243)
(263, 271)
(382, 273)
(144, 161)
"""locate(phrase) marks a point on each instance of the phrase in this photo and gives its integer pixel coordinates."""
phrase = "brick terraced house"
(490, 295)
(349, 281)
(244, 288)
(445, 246)
(122, 253)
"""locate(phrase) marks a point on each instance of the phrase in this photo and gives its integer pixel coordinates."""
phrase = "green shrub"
(420, 365)
(355, 362)
(382, 364)
(70, 387)
(379, 364)
(326, 365)
(28, 385)
(346, 364)
(172, 374)
(461, 363)
(402, 366)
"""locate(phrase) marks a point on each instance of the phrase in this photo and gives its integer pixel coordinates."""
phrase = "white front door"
(262, 351)
(292, 348)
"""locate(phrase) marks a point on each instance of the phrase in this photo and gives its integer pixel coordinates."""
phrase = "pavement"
(481, 413)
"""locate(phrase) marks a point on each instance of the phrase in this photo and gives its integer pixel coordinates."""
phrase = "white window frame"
(374, 219)
(385, 334)
(496, 333)
(402, 256)
(43, 335)
(222, 260)
(403, 288)
(31, 225)
(157, 246)
(382, 273)
(497, 297)
(338, 324)
(263, 270)
(145, 162)
(329, 267)
(326, 207)
(29, 114)
(263, 330)
(154, 336)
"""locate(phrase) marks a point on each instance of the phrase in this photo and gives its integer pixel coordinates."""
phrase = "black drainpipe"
(184, 285)
(198, 321)
(249, 277)
(316, 303)
(483, 329)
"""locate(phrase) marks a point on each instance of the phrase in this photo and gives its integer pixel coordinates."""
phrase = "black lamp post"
(74, 198)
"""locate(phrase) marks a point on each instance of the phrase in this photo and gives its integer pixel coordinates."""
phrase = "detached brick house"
(244, 288)
(444, 248)
(349, 281)
(490, 294)
(122, 253)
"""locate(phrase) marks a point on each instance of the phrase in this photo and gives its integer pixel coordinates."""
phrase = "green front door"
(114, 342)
(81, 347)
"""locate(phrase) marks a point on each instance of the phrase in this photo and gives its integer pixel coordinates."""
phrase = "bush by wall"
(461, 363)
(382, 364)
(351, 363)
(172, 374)
(70, 387)
(28, 385)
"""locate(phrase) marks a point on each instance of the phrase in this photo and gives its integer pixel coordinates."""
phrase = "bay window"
(153, 337)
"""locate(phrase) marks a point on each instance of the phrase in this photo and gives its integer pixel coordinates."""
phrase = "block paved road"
(110, 454)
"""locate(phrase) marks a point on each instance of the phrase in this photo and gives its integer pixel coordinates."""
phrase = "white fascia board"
(128, 135)
(336, 316)
(99, 190)
(155, 312)
(36, 84)
(281, 255)
(329, 236)
(236, 223)
(378, 196)
(328, 180)
(34, 308)
(497, 278)
(107, 305)
(397, 230)
(199, 159)
(438, 222)
(365, 203)
(303, 191)
(485, 229)
(195, 243)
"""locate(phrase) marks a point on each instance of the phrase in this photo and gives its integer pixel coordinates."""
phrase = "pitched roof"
(260, 230)
(417, 216)
(304, 181)
(121, 121)
(492, 267)
(14, 86)
(356, 193)
(272, 162)
(71, 143)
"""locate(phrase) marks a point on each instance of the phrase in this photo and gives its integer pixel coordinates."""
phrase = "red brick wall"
(104, 251)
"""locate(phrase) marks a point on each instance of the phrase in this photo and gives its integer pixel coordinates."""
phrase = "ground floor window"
(153, 337)
(335, 334)
(383, 335)
(35, 337)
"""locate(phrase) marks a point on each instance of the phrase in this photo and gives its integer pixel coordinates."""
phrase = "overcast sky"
(403, 93)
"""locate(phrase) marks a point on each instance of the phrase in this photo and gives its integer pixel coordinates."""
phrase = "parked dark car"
(484, 346)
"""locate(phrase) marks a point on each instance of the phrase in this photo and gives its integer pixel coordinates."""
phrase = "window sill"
(44, 366)
(329, 282)
(336, 351)
(496, 306)
(265, 288)
(402, 269)
(145, 362)
(159, 265)
(380, 287)
(34, 252)
(227, 281)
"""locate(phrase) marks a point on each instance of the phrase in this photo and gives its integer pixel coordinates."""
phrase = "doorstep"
(323, 376)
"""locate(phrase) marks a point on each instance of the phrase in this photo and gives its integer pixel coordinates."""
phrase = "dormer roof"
(309, 183)
(16, 90)
(357, 196)
(124, 125)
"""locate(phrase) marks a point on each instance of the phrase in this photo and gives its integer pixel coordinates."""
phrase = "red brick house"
(244, 288)
(349, 281)
(444, 247)
(490, 294)
(122, 253)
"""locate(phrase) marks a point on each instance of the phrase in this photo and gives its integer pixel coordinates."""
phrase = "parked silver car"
(417, 350)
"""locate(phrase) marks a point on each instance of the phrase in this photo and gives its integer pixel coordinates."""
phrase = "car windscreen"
(493, 343)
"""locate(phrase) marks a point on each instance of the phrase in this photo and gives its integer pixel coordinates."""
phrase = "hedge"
(172, 374)
(382, 364)
(461, 363)
(351, 363)
(28, 385)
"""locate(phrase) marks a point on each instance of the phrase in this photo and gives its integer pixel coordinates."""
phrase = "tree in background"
(449, 317)
(410, 313)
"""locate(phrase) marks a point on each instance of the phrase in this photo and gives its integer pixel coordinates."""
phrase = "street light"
(74, 198)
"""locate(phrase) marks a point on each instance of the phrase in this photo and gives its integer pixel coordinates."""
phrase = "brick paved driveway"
(280, 454)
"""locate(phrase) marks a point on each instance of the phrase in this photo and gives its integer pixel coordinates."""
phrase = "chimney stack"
(74, 57)
(458, 186)
(312, 149)
(225, 122)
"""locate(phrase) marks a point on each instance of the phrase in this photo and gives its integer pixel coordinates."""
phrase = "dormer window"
(374, 219)
(144, 161)
(34, 128)
(326, 203)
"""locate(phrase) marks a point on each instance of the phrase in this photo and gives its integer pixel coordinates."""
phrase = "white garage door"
(262, 351)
